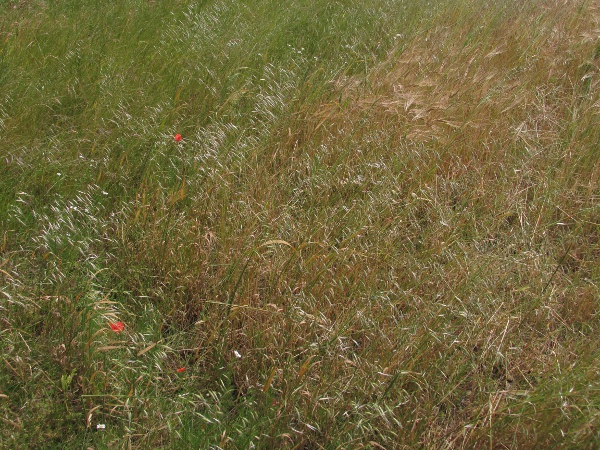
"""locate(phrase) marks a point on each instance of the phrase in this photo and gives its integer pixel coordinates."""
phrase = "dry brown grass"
(483, 79)
(494, 115)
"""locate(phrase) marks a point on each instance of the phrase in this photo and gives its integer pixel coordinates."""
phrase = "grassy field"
(380, 229)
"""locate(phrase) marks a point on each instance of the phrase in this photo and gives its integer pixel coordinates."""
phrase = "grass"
(380, 230)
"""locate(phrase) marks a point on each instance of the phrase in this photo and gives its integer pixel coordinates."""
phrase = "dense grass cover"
(380, 229)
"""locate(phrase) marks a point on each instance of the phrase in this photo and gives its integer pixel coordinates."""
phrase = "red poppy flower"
(178, 137)
(181, 369)
(117, 326)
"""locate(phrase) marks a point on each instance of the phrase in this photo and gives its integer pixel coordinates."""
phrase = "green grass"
(381, 228)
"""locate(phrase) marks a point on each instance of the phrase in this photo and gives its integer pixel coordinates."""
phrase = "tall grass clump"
(380, 229)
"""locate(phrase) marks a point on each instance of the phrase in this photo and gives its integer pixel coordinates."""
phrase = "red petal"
(117, 326)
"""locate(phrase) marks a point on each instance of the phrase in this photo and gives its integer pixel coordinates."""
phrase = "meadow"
(379, 229)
